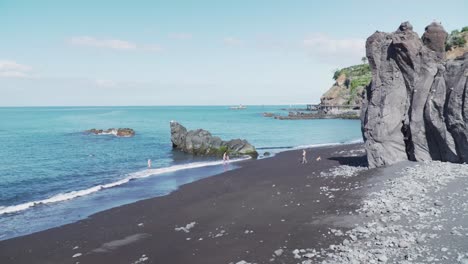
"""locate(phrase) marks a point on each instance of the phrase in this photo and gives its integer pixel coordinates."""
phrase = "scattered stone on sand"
(342, 171)
(221, 232)
(186, 228)
(402, 221)
(306, 254)
(279, 252)
(351, 153)
(142, 259)
(242, 262)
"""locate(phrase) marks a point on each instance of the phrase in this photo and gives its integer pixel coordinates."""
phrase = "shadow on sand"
(355, 161)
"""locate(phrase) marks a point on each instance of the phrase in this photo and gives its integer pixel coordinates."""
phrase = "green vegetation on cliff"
(355, 79)
(456, 39)
(356, 71)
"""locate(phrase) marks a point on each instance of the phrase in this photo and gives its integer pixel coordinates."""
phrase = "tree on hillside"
(336, 74)
(455, 39)
(364, 60)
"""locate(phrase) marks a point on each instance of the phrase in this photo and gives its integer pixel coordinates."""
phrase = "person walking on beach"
(304, 157)
(225, 157)
(149, 163)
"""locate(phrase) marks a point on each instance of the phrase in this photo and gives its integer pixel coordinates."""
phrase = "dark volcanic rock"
(415, 106)
(434, 38)
(119, 132)
(201, 142)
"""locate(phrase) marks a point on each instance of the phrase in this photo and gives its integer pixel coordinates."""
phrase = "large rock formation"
(201, 142)
(416, 107)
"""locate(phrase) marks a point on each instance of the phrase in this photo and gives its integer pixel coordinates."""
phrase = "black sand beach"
(245, 214)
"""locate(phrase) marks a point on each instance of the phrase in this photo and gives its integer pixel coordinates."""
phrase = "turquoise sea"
(51, 173)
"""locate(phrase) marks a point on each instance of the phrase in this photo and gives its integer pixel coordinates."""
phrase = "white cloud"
(13, 66)
(154, 48)
(105, 83)
(232, 41)
(180, 36)
(12, 69)
(327, 49)
(114, 44)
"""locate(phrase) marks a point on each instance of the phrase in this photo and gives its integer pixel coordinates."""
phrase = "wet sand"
(241, 215)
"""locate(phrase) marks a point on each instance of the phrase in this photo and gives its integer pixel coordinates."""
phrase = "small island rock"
(201, 142)
(119, 132)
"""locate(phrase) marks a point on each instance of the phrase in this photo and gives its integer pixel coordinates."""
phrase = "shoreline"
(158, 216)
(210, 165)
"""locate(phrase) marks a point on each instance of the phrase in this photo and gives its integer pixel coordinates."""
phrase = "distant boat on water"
(239, 107)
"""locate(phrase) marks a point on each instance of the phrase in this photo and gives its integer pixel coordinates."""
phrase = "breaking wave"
(132, 176)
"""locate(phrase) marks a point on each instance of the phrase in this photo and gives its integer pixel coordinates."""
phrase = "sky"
(107, 53)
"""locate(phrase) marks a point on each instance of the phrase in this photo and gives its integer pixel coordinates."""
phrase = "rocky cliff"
(347, 89)
(201, 142)
(416, 107)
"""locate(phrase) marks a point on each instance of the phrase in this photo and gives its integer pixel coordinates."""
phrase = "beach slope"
(260, 212)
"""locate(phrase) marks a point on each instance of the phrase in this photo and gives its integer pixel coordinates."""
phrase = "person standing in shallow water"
(149, 163)
(225, 160)
(304, 157)
(225, 157)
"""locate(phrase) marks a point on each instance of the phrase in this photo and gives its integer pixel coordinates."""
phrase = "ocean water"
(51, 173)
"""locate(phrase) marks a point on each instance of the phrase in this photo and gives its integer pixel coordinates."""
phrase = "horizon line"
(168, 105)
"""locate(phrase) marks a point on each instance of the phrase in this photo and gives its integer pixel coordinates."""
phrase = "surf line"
(132, 176)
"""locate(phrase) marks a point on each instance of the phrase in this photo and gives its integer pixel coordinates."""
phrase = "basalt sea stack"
(201, 142)
(416, 107)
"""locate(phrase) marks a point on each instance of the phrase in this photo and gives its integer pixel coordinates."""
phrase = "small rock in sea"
(76, 247)
(140, 224)
(77, 255)
(279, 252)
(438, 203)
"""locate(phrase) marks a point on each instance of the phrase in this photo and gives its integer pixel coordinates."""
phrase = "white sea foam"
(132, 176)
(329, 144)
